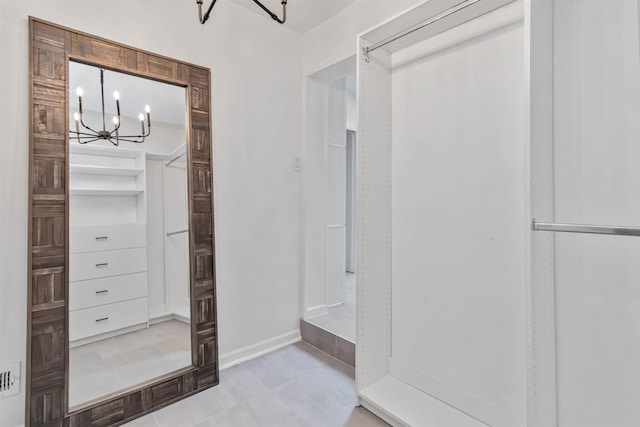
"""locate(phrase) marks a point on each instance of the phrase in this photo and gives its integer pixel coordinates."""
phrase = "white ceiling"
(302, 15)
(167, 102)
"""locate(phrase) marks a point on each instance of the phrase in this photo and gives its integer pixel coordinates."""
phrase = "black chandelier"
(113, 136)
(204, 18)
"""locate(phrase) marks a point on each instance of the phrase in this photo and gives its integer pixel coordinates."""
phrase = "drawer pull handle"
(104, 319)
(102, 264)
(106, 291)
(102, 237)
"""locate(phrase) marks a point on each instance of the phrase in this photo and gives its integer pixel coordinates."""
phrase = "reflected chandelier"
(113, 136)
(204, 18)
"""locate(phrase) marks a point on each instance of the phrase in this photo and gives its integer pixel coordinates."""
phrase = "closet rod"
(177, 232)
(585, 228)
(433, 19)
(175, 158)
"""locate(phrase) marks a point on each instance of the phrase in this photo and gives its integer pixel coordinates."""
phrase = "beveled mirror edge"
(51, 46)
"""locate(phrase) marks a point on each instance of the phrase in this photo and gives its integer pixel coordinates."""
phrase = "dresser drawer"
(107, 318)
(92, 265)
(107, 290)
(107, 237)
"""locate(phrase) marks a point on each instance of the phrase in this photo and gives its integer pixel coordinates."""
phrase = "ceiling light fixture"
(113, 136)
(275, 17)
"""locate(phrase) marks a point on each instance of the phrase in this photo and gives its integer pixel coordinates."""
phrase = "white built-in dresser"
(107, 243)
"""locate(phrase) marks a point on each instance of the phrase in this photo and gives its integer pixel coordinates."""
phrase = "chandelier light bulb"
(79, 91)
(76, 116)
(141, 117)
(116, 95)
(115, 120)
(147, 108)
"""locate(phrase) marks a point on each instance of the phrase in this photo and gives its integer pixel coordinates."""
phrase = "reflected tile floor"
(297, 386)
(114, 364)
(341, 319)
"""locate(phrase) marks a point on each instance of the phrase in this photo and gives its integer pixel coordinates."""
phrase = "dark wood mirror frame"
(51, 48)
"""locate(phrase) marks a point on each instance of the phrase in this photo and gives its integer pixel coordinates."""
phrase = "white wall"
(458, 217)
(335, 39)
(256, 120)
(596, 176)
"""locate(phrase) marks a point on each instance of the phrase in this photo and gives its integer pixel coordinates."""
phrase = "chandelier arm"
(83, 134)
(123, 137)
(204, 18)
(88, 141)
(273, 15)
(85, 126)
(135, 141)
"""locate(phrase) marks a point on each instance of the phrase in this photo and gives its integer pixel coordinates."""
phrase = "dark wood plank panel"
(49, 146)
(162, 67)
(46, 408)
(199, 120)
(202, 204)
(47, 345)
(49, 67)
(201, 145)
(49, 118)
(49, 376)
(200, 77)
(200, 98)
(202, 225)
(204, 267)
(202, 182)
(48, 288)
(208, 376)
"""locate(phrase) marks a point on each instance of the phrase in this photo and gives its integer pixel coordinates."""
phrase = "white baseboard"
(261, 348)
(402, 405)
(316, 311)
(476, 406)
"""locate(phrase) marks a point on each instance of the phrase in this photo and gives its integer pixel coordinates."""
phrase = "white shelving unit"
(105, 192)
(104, 170)
(108, 256)
(427, 285)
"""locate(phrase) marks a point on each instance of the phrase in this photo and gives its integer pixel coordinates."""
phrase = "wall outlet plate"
(297, 165)
(9, 379)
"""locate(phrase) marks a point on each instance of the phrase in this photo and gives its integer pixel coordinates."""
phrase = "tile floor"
(341, 320)
(113, 364)
(297, 386)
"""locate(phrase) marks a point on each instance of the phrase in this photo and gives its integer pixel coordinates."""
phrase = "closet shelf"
(104, 170)
(104, 192)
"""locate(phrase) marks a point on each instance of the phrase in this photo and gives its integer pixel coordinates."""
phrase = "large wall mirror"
(122, 311)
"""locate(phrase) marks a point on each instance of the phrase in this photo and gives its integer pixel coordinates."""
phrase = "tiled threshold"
(332, 344)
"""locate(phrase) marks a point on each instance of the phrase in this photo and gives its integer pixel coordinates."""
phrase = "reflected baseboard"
(163, 317)
(100, 337)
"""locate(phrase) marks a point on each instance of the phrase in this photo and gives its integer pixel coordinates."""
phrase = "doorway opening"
(329, 210)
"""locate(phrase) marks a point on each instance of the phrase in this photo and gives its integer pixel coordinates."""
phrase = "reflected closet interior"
(129, 310)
